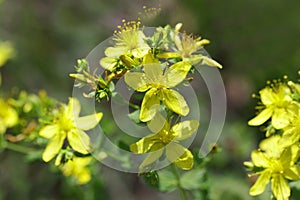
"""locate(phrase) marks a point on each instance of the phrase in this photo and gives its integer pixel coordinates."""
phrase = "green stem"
(132, 105)
(17, 148)
(182, 191)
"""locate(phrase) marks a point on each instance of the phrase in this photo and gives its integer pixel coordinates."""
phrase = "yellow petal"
(77, 168)
(157, 123)
(151, 158)
(293, 173)
(180, 156)
(114, 51)
(280, 118)
(73, 108)
(177, 73)
(137, 81)
(88, 122)
(168, 55)
(108, 63)
(6, 51)
(2, 127)
(259, 159)
(149, 59)
(53, 147)
(153, 72)
(184, 129)
(267, 96)
(260, 184)
(203, 42)
(150, 105)
(9, 116)
(261, 118)
(144, 144)
(210, 62)
(83, 176)
(140, 52)
(49, 131)
(79, 141)
(286, 158)
(175, 102)
(178, 42)
(280, 187)
(268, 144)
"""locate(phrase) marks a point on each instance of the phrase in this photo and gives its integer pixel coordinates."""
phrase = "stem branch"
(182, 191)
(17, 148)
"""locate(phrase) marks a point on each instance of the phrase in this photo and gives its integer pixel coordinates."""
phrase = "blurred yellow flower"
(78, 169)
(278, 105)
(167, 139)
(6, 52)
(8, 116)
(278, 164)
(129, 40)
(159, 86)
(68, 125)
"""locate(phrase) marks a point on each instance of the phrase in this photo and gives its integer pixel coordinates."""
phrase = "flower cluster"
(154, 66)
(277, 158)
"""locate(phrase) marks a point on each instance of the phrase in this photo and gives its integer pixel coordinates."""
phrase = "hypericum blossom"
(158, 86)
(167, 140)
(277, 164)
(278, 105)
(77, 168)
(8, 116)
(291, 133)
(6, 52)
(188, 48)
(68, 126)
(129, 40)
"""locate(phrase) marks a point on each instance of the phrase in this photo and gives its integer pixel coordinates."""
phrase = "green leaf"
(135, 116)
(152, 178)
(167, 181)
(193, 179)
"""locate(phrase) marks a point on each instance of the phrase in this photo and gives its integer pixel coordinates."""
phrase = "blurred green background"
(254, 40)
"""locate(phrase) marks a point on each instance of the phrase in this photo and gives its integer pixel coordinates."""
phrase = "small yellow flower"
(291, 132)
(158, 86)
(278, 164)
(189, 49)
(77, 168)
(8, 116)
(129, 40)
(278, 105)
(68, 125)
(167, 139)
(6, 52)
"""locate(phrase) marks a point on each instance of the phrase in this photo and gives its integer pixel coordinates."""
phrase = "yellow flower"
(167, 140)
(129, 40)
(8, 116)
(68, 125)
(278, 105)
(278, 164)
(6, 52)
(77, 168)
(158, 86)
(291, 132)
(189, 49)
